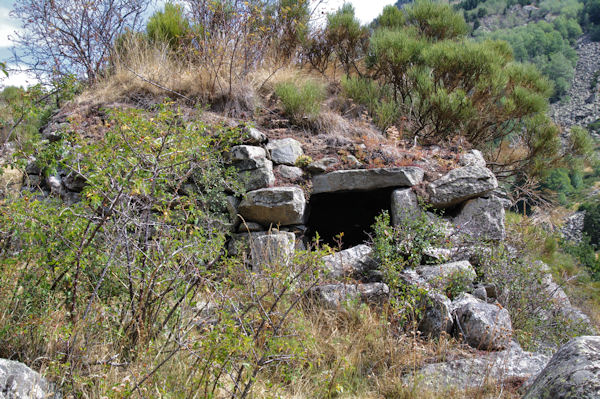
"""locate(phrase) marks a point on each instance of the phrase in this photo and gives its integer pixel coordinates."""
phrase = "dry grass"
(152, 71)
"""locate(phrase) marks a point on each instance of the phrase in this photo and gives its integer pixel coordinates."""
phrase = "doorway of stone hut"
(351, 213)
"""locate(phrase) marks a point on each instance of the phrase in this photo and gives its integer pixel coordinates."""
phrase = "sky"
(366, 11)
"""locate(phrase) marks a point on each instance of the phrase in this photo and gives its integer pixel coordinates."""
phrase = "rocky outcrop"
(482, 218)
(17, 381)
(482, 325)
(333, 296)
(507, 365)
(573, 372)
(279, 205)
(285, 151)
(352, 262)
(583, 105)
(461, 184)
(572, 229)
(367, 179)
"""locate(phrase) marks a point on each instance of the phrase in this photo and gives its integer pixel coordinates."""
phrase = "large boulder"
(270, 250)
(482, 325)
(285, 151)
(277, 206)
(289, 172)
(461, 184)
(260, 177)
(439, 276)
(482, 218)
(351, 262)
(255, 170)
(437, 318)
(333, 296)
(405, 206)
(241, 153)
(472, 158)
(573, 372)
(17, 381)
(321, 165)
(367, 179)
(507, 365)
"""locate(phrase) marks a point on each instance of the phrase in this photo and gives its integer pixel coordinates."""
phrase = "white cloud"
(17, 78)
(7, 27)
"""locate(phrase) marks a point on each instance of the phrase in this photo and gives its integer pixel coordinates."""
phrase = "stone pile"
(583, 105)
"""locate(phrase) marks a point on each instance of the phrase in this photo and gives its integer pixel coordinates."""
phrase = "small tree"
(72, 36)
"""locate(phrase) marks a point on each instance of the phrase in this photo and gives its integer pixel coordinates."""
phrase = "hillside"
(239, 203)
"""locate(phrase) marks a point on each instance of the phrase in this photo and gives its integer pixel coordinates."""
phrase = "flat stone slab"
(333, 296)
(461, 184)
(278, 206)
(367, 179)
(499, 366)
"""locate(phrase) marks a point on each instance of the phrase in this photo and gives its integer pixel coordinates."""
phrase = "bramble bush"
(135, 272)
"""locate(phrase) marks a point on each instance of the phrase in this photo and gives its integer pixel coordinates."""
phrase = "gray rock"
(572, 229)
(472, 158)
(333, 296)
(255, 136)
(437, 318)
(480, 293)
(277, 206)
(17, 381)
(405, 206)
(439, 255)
(285, 151)
(244, 153)
(271, 250)
(439, 276)
(412, 278)
(54, 131)
(482, 325)
(507, 365)
(461, 184)
(289, 172)
(261, 177)
(353, 161)
(351, 262)
(367, 179)
(573, 372)
(56, 185)
(74, 182)
(321, 165)
(482, 218)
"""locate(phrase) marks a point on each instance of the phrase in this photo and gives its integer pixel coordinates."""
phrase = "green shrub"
(346, 36)
(385, 114)
(169, 26)
(302, 101)
(402, 246)
(363, 91)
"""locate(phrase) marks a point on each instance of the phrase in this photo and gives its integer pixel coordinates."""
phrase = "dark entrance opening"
(352, 213)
